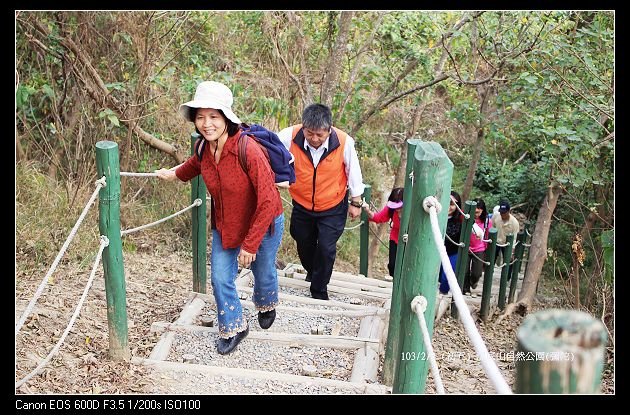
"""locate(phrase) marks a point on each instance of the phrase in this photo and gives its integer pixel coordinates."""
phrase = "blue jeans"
(444, 287)
(224, 271)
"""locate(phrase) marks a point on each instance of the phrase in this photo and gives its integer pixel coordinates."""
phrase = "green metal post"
(516, 268)
(199, 226)
(462, 251)
(107, 165)
(433, 174)
(488, 275)
(507, 258)
(560, 351)
(365, 234)
(392, 347)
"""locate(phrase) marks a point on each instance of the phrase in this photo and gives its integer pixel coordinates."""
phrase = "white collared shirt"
(350, 159)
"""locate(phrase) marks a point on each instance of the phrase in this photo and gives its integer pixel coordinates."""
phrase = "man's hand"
(354, 211)
(245, 258)
(166, 174)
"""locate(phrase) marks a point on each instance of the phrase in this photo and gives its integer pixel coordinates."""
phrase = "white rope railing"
(133, 174)
(104, 243)
(354, 227)
(466, 215)
(480, 260)
(197, 202)
(419, 305)
(453, 242)
(99, 184)
(128, 174)
(431, 205)
(379, 239)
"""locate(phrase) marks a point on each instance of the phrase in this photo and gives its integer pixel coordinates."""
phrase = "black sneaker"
(319, 295)
(266, 318)
(226, 346)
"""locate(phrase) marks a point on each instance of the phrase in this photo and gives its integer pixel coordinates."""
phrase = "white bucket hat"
(210, 94)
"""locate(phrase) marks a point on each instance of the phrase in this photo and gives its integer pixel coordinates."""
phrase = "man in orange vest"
(327, 171)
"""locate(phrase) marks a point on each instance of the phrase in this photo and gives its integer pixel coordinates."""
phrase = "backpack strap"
(242, 151)
(200, 145)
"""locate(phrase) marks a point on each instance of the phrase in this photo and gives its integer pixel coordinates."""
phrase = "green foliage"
(109, 114)
(517, 183)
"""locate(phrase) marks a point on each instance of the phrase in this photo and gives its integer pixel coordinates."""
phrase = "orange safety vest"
(320, 188)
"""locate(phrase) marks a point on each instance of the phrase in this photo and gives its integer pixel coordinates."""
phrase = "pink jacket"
(383, 216)
(476, 244)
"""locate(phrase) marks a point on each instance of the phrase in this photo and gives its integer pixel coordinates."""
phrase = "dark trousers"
(316, 235)
(393, 247)
(474, 270)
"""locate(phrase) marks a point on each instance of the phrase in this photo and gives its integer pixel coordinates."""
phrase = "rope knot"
(431, 201)
(101, 182)
(197, 202)
(104, 240)
(419, 303)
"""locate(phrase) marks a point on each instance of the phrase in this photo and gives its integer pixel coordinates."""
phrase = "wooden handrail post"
(108, 165)
(432, 176)
(199, 226)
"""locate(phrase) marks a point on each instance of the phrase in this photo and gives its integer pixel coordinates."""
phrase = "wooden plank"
(191, 310)
(292, 282)
(303, 300)
(315, 311)
(336, 283)
(340, 276)
(358, 388)
(366, 360)
(333, 342)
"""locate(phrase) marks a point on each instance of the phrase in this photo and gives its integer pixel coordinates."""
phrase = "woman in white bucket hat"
(246, 212)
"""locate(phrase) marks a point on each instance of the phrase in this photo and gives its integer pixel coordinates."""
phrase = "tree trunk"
(484, 92)
(334, 65)
(576, 267)
(538, 248)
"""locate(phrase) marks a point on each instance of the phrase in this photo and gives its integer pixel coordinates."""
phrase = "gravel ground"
(375, 302)
(207, 384)
(287, 322)
(264, 355)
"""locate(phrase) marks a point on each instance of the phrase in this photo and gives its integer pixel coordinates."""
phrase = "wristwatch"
(356, 204)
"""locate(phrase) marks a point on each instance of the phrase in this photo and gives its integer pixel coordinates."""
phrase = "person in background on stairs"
(453, 230)
(505, 223)
(390, 213)
(246, 214)
(474, 270)
(327, 171)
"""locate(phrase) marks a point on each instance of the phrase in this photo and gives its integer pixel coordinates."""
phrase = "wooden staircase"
(314, 346)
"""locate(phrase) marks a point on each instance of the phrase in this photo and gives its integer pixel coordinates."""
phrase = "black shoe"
(266, 318)
(308, 278)
(225, 346)
(320, 295)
